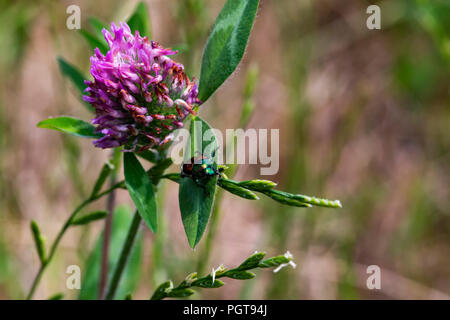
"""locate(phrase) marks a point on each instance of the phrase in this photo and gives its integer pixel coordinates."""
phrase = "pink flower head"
(140, 95)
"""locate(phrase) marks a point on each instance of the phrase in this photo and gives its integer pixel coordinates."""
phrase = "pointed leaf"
(57, 296)
(181, 293)
(234, 188)
(208, 283)
(71, 126)
(161, 291)
(77, 78)
(94, 41)
(196, 199)
(140, 20)
(240, 275)
(107, 168)
(226, 44)
(149, 155)
(72, 73)
(140, 189)
(90, 217)
(97, 26)
(38, 241)
(252, 261)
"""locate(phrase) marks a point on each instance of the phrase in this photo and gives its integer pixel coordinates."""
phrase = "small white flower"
(191, 278)
(214, 271)
(169, 288)
(287, 255)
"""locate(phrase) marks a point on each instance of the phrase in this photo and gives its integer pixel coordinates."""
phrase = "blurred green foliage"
(379, 142)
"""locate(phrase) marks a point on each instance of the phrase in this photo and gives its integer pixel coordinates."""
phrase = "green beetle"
(200, 168)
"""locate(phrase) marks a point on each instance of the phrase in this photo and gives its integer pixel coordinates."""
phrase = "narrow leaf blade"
(38, 241)
(94, 41)
(226, 44)
(140, 20)
(97, 26)
(72, 73)
(90, 217)
(76, 77)
(106, 171)
(140, 189)
(70, 125)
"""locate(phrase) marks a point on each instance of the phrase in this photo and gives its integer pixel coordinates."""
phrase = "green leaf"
(57, 296)
(94, 41)
(181, 293)
(76, 77)
(196, 200)
(140, 189)
(208, 283)
(234, 188)
(240, 275)
(107, 168)
(38, 241)
(72, 73)
(285, 198)
(90, 217)
(149, 155)
(130, 279)
(252, 261)
(140, 20)
(175, 177)
(226, 44)
(274, 261)
(258, 185)
(158, 169)
(129, 296)
(71, 126)
(97, 26)
(160, 292)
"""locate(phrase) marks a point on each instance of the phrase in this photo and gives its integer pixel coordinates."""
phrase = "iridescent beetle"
(200, 168)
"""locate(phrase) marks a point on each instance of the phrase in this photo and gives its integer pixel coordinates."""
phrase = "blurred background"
(363, 115)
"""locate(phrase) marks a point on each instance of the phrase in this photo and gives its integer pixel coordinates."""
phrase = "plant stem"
(104, 268)
(60, 235)
(131, 236)
(110, 204)
(53, 248)
(124, 255)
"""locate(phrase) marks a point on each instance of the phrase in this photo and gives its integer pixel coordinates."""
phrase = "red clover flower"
(140, 95)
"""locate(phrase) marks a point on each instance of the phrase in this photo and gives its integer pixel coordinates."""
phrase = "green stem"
(61, 234)
(110, 203)
(53, 248)
(132, 233)
(124, 255)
